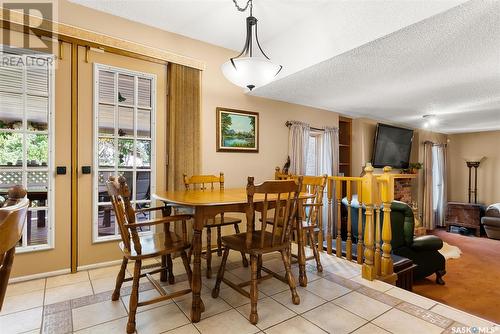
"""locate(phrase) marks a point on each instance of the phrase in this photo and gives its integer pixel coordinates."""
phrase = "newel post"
(387, 196)
(368, 269)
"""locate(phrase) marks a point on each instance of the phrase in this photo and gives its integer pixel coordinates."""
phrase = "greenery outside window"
(124, 110)
(26, 139)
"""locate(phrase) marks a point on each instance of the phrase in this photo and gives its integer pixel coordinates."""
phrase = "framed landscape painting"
(237, 131)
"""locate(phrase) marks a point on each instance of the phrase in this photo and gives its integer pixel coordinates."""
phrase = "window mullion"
(130, 138)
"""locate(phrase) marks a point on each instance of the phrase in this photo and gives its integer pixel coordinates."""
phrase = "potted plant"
(413, 168)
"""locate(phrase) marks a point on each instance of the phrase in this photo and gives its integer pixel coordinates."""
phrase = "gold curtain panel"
(184, 109)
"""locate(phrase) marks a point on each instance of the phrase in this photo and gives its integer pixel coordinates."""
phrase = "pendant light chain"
(242, 9)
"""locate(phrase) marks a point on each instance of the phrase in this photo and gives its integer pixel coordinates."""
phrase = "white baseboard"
(99, 265)
(62, 271)
(38, 276)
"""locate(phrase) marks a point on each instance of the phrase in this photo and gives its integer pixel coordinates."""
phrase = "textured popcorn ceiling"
(294, 33)
(393, 60)
(448, 65)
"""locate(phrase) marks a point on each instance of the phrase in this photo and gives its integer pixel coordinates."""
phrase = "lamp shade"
(250, 72)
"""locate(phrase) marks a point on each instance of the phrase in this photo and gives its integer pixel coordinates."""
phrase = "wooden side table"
(404, 268)
(464, 215)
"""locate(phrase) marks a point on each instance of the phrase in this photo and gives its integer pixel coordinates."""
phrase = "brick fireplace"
(402, 190)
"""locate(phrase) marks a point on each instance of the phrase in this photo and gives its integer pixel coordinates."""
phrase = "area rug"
(450, 252)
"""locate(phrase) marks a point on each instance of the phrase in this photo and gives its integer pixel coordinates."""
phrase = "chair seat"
(156, 244)
(227, 221)
(238, 242)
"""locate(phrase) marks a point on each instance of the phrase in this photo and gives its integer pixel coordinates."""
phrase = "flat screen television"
(392, 146)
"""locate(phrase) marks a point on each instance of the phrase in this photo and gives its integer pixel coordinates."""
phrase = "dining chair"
(279, 174)
(283, 196)
(312, 223)
(209, 182)
(12, 220)
(137, 246)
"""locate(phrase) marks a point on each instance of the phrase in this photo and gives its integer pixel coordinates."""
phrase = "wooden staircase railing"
(373, 248)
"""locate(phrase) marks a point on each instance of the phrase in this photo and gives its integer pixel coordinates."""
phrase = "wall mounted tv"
(392, 146)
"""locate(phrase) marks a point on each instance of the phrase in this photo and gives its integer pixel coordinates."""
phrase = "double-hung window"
(26, 139)
(124, 110)
(313, 164)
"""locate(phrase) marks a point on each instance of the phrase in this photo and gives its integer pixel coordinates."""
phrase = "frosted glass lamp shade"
(250, 72)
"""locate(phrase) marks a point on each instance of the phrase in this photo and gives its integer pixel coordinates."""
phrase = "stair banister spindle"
(387, 194)
(348, 246)
(338, 221)
(329, 229)
(360, 223)
(368, 270)
(377, 258)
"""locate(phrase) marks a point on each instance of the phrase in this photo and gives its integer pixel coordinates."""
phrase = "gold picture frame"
(237, 130)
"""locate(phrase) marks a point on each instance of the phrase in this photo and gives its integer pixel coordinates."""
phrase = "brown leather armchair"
(491, 221)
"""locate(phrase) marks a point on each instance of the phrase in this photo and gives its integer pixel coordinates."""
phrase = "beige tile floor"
(335, 301)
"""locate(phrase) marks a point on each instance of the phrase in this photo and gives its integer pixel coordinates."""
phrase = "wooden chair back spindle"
(199, 181)
(281, 195)
(314, 185)
(137, 247)
(125, 214)
(279, 175)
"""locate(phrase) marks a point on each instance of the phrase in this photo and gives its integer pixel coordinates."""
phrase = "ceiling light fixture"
(430, 121)
(246, 69)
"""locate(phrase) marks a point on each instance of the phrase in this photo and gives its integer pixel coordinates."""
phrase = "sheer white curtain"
(428, 211)
(330, 166)
(298, 145)
(434, 185)
(439, 183)
(330, 161)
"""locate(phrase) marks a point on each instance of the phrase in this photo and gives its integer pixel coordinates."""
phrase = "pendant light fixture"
(247, 69)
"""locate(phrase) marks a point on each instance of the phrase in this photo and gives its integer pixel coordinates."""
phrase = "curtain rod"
(435, 144)
(289, 124)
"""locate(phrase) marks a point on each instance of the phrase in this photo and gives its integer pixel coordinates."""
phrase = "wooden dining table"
(207, 204)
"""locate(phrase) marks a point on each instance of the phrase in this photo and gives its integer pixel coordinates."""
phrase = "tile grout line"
(91, 285)
(43, 307)
(300, 315)
(173, 329)
(371, 321)
(272, 295)
(24, 310)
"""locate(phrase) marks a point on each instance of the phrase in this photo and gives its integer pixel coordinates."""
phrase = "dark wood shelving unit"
(345, 142)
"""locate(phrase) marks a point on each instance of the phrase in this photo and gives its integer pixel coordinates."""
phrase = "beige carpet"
(472, 281)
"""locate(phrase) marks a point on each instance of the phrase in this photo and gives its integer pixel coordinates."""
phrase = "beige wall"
(363, 134)
(216, 92)
(470, 145)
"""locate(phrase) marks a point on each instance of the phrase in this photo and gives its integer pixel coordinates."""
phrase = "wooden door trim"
(15, 21)
(74, 157)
